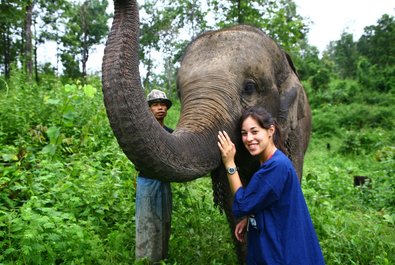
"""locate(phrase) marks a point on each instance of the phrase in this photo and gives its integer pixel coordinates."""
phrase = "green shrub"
(358, 116)
(358, 143)
(321, 79)
(325, 122)
(386, 154)
(375, 77)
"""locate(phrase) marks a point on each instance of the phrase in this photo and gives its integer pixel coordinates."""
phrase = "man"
(154, 199)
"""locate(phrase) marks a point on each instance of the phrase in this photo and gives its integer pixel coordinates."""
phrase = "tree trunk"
(85, 55)
(7, 59)
(35, 55)
(146, 82)
(239, 15)
(28, 39)
(84, 24)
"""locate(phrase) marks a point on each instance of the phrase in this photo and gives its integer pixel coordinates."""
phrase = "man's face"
(159, 109)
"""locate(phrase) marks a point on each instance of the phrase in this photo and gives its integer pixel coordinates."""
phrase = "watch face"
(231, 170)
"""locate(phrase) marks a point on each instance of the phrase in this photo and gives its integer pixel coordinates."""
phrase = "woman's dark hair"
(265, 120)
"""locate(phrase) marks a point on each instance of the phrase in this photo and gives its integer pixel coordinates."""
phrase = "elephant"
(221, 73)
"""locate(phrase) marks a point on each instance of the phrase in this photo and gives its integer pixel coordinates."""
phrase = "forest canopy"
(77, 27)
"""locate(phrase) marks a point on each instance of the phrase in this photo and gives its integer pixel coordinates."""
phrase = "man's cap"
(158, 96)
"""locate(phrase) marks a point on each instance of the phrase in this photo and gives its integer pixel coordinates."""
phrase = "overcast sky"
(329, 18)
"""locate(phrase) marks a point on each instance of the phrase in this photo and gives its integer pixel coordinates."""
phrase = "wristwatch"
(231, 170)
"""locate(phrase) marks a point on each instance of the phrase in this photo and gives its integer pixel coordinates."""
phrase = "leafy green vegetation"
(67, 191)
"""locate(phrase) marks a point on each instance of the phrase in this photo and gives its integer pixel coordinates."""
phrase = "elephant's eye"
(249, 87)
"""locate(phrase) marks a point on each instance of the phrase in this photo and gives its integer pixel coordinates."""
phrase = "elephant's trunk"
(180, 156)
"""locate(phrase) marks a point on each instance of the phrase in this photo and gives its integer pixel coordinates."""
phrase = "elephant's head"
(221, 73)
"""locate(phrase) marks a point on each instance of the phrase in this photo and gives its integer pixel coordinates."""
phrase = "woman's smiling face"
(257, 140)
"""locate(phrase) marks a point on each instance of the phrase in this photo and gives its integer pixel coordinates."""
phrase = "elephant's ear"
(293, 100)
(291, 64)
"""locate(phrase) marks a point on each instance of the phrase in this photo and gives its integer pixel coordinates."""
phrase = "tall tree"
(307, 62)
(344, 54)
(377, 42)
(11, 24)
(86, 27)
(162, 28)
(28, 38)
(376, 67)
(52, 23)
(279, 19)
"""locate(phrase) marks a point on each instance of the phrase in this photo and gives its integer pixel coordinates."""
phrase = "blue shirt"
(280, 230)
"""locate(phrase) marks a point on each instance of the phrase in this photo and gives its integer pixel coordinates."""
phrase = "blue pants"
(153, 218)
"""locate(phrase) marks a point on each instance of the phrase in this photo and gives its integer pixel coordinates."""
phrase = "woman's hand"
(240, 229)
(227, 148)
(228, 152)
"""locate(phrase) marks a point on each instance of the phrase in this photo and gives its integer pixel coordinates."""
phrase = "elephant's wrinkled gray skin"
(221, 73)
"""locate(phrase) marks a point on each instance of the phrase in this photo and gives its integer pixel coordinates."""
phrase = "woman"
(272, 206)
